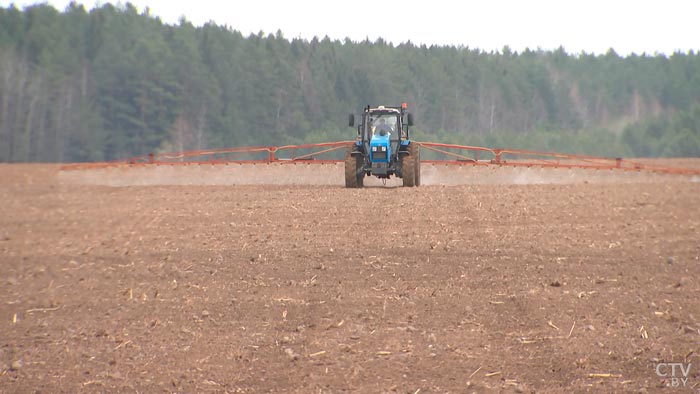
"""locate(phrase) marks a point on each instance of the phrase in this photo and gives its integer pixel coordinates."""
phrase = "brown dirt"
(472, 288)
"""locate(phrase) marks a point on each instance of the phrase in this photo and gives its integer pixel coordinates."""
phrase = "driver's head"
(382, 121)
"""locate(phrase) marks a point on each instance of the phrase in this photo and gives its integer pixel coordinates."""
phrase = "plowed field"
(495, 286)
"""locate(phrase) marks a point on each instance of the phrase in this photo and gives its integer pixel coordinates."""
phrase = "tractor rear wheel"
(354, 177)
(417, 161)
(408, 166)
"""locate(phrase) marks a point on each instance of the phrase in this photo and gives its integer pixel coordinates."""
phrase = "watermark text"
(676, 373)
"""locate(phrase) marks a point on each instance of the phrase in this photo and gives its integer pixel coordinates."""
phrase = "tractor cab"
(383, 138)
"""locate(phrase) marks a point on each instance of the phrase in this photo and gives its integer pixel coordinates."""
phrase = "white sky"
(628, 26)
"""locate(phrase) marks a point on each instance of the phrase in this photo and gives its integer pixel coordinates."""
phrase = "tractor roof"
(384, 109)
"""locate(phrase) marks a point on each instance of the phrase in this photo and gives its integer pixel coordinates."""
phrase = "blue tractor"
(383, 147)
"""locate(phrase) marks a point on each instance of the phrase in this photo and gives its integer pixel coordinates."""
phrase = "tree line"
(115, 82)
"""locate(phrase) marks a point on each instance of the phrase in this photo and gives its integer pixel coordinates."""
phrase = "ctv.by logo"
(676, 372)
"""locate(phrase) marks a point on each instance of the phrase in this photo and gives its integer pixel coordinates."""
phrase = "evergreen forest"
(115, 82)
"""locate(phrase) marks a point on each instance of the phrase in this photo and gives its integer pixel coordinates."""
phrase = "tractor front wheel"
(354, 177)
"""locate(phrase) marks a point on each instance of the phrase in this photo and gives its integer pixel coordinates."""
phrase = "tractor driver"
(383, 128)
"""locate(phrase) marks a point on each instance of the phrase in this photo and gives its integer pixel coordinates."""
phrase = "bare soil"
(497, 287)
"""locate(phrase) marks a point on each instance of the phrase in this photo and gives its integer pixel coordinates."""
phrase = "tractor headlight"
(374, 149)
(383, 148)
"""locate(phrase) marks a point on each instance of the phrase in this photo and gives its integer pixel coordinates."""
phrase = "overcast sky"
(628, 26)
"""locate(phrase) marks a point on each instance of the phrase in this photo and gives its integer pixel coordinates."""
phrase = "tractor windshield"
(383, 122)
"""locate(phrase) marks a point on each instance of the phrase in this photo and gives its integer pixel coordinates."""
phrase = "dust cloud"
(333, 175)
